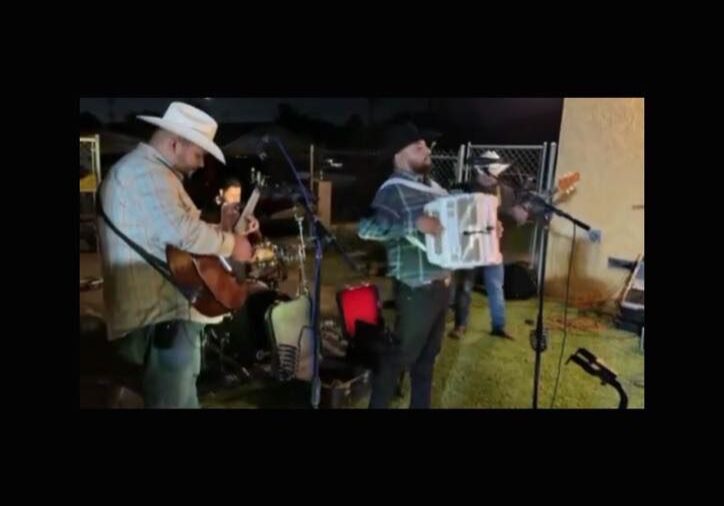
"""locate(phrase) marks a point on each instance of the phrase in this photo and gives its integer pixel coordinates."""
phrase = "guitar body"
(210, 288)
(206, 282)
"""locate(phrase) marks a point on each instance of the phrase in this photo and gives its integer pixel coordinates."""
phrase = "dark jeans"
(419, 330)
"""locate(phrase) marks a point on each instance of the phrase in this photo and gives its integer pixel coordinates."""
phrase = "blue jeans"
(171, 362)
(494, 277)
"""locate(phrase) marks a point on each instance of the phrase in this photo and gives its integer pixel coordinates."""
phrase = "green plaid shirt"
(392, 217)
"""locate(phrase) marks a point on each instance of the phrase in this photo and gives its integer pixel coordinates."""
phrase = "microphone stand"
(539, 343)
(321, 237)
(544, 213)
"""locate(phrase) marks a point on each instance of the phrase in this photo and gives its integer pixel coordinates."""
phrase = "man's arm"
(175, 225)
(388, 217)
(509, 206)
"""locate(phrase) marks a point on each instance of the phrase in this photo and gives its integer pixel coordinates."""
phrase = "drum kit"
(271, 334)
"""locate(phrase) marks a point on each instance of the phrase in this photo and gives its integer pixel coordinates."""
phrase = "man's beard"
(422, 168)
(186, 170)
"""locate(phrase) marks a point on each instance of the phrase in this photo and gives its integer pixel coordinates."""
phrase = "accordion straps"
(416, 242)
(435, 189)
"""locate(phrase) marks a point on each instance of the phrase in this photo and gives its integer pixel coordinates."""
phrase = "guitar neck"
(248, 211)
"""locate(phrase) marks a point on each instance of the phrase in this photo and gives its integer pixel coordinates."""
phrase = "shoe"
(457, 333)
(501, 333)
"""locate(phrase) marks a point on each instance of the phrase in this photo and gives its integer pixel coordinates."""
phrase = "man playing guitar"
(145, 210)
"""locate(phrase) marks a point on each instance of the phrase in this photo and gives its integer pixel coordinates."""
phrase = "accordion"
(470, 236)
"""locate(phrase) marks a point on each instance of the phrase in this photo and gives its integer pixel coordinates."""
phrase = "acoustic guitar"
(213, 284)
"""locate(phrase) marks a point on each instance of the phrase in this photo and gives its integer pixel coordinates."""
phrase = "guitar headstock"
(567, 183)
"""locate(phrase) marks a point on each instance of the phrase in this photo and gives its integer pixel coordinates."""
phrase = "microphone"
(595, 235)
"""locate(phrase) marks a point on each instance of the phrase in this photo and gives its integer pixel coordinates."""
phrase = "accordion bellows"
(469, 238)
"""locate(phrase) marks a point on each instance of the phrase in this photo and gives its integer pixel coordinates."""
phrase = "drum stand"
(236, 369)
(303, 286)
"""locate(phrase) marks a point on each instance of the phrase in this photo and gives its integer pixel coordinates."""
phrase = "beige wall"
(603, 139)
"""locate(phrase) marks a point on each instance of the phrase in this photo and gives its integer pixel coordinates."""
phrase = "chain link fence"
(527, 162)
(447, 166)
(528, 169)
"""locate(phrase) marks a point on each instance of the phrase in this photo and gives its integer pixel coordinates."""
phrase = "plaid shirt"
(146, 200)
(393, 216)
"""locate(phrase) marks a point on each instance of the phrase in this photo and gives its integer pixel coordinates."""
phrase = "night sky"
(491, 121)
(505, 120)
(335, 110)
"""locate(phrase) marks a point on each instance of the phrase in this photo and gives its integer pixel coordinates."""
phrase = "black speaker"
(520, 282)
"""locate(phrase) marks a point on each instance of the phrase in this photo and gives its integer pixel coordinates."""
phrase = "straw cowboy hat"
(190, 123)
(489, 163)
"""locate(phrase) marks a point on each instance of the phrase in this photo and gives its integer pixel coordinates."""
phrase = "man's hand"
(520, 214)
(242, 249)
(500, 229)
(252, 225)
(429, 225)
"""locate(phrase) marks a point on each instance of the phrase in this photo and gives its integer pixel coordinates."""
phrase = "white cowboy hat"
(190, 123)
(490, 163)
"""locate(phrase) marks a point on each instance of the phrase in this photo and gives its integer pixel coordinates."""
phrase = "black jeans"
(419, 330)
